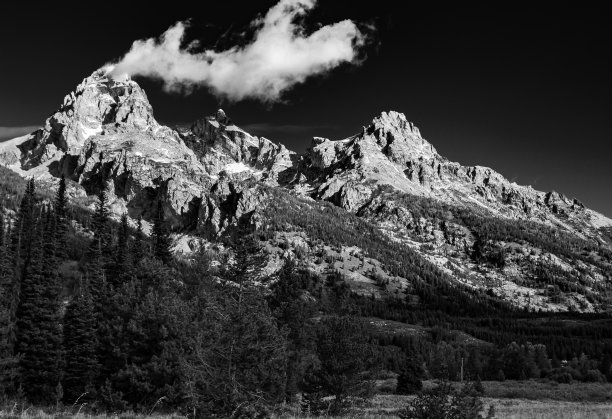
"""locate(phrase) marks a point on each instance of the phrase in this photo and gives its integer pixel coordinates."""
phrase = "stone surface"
(214, 175)
(390, 151)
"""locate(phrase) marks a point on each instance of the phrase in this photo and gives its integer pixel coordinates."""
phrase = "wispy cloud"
(280, 55)
(7, 133)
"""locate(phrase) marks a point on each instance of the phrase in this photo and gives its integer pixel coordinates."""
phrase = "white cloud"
(280, 56)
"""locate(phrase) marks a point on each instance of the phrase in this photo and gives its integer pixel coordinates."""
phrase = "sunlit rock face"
(213, 176)
(391, 152)
(104, 133)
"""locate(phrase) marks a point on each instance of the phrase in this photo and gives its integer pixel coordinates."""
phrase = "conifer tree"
(12, 270)
(51, 305)
(61, 221)
(121, 268)
(97, 278)
(25, 222)
(37, 333)
(138, 249)
(80, 345)
(409, 378)
(348, 361)
(161, 236)
(95, 267)
(101, 227)
(8, 362)
(293, 312)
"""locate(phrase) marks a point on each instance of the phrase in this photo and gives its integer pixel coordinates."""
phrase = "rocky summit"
(474, 226)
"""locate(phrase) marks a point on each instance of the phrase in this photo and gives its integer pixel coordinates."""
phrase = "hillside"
(469, 228)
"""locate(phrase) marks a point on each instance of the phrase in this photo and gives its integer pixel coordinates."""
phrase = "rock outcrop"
(390, 151)
(214, 175)
(221, 146)
(105, 133)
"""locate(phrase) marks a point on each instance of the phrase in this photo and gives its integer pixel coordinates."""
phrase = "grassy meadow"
(512, 400)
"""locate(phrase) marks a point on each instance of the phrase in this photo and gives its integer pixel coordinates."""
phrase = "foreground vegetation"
(95, 317)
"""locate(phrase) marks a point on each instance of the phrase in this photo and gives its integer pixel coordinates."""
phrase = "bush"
(409, 379)
(444, 403)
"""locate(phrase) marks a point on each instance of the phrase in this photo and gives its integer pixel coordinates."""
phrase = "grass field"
(545, 390)
(512, 400)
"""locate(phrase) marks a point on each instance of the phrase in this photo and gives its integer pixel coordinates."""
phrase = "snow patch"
(599, 220)
(88, 132)
(236, 167)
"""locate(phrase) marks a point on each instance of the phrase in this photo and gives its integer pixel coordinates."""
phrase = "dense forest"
(94, 311)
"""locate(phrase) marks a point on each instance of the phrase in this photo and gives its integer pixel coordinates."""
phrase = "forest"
(94, 311)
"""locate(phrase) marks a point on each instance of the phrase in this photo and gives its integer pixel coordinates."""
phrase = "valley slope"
(369, 206)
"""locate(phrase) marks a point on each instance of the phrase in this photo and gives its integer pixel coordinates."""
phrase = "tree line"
(137, 328)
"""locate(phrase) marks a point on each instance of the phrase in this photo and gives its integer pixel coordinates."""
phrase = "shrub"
(444, 403)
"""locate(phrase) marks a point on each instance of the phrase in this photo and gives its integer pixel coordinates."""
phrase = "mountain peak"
(98, 104)
(393, 121)
(222, 118)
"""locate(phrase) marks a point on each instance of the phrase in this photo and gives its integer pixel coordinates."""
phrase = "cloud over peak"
(280, 56)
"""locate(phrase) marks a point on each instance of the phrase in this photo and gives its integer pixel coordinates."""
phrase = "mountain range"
(469, 225)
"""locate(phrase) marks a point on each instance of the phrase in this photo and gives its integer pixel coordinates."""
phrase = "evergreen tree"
(161, 236)
(96, 277)
(239, 354)
(80, 345)
(37, 333)
(347, 362)
(61, 220)
(293, 312)
(101, 227)
(8, 279)
(138, 249)
(409, 378)
(12, 270)
(249, 260)
(25, 222)
(51, 305)
(121, 268)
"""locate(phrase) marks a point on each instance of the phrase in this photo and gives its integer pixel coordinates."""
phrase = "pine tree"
(409, 378)
(101, 226)
(80, 346)
(121, 268)
(249, 260)
(61, 221)
(96, 277)
(161, 236)
(12, 270)
(138, 249)
(25, 222)
(51, 305)
(293, 312)
(95, 267)
(348, 361)
(8, 362)
(37, 334)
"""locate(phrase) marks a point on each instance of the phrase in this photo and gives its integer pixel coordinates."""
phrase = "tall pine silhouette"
(38, 335)
(8, 299)
(14, 263)
(161, 236)
(61, 220)
(80, 346)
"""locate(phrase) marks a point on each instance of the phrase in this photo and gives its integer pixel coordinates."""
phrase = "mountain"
(467, 226)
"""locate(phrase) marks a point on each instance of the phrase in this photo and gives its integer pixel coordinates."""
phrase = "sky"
(520, 88)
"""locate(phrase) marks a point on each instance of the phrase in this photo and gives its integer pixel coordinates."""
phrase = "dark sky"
(523, 89)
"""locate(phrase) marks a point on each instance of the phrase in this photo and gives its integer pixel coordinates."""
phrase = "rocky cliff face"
(390, 151)
(214, 175)
(104, 133)
(222, 147)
